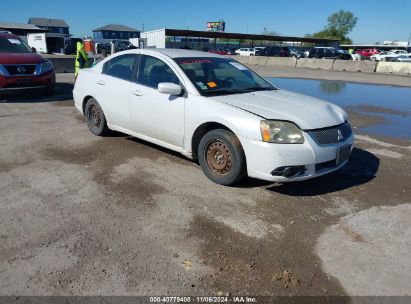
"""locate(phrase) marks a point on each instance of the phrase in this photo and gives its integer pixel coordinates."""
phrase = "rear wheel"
(221, 157)
(96, 121)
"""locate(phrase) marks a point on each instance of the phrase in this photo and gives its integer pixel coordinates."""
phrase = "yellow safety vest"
(80, 52)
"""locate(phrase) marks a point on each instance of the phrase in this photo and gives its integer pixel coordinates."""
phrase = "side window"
(121, 67)
(153, 71)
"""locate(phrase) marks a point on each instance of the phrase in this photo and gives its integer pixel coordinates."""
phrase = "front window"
(13, 45)
(153, 71)
(219, 76)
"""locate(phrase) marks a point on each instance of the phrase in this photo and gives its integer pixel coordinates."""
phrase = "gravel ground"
(83, 215)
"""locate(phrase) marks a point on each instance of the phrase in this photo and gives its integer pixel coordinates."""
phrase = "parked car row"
(317, 52)
(286, 51)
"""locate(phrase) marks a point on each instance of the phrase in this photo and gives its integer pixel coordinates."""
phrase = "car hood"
(20, 58)
(305, 111)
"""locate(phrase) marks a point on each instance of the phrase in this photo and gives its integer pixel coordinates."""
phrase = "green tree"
(340, 24)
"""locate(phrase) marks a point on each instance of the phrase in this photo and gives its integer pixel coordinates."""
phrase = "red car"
(368, 52)
(22, 69)
(219, 51)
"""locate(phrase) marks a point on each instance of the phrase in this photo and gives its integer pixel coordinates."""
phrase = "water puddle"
(392, 105)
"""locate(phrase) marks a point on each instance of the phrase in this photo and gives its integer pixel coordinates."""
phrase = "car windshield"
(221, 76)
(13, 45)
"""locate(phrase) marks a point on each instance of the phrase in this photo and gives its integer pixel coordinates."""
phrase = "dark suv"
(22, 69)
(329, 53)
(119, 45)
(277, 51)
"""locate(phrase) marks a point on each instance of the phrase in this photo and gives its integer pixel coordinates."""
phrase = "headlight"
(46, 66)
(281, 132)
(3, 71)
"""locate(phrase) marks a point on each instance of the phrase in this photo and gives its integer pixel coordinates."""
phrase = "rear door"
(114, 89)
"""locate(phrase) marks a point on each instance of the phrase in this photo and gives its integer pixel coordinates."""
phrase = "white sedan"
(214, 109)
(389, 55)
(246, 52)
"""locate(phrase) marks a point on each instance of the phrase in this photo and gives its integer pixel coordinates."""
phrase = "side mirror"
(169, 88)
(33, 49)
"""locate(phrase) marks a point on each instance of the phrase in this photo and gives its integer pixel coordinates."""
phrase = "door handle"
(101, 82)
(137, 93)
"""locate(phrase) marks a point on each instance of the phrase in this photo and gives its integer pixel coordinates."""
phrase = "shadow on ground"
(63, 91)
(361, 169)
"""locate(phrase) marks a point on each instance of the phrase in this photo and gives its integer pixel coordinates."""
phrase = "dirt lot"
(83, 215)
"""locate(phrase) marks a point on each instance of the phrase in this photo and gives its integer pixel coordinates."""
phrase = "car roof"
(179, 53)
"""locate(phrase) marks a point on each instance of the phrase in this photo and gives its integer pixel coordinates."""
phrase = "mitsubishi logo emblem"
(21, 70)
(340, 136)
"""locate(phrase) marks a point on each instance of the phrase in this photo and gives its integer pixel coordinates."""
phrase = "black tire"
(104, 53)
(221, 157)
(96, 121)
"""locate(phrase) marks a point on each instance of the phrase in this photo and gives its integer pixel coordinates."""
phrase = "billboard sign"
(216, 26)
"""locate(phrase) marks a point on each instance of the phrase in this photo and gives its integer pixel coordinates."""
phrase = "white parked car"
(214, 109)
(245, 52)
(403, 58)
(389, 55)
(399, 52)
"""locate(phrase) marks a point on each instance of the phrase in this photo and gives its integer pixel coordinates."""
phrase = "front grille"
(331, 135)
(20, 85)
(15, 70)
(326, 165)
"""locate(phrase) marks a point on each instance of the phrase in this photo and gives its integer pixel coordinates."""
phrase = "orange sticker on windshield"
(211, 84)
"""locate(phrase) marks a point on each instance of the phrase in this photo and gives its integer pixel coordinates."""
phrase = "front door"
(154, 114)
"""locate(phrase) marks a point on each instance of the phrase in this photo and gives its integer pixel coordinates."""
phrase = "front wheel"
(96, 121)
(221, 157)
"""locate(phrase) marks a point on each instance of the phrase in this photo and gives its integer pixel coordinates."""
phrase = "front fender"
(200, 111)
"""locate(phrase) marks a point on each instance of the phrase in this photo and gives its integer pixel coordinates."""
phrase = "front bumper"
(15, 84)
(263, 158)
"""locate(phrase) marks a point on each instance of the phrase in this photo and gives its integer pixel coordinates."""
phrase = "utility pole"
(265, 31)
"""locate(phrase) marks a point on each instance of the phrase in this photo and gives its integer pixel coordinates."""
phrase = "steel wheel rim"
(218, 157)
(94, 117)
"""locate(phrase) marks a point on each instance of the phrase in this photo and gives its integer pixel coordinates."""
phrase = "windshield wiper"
(241, 91)
(222, 92)
(253, 89)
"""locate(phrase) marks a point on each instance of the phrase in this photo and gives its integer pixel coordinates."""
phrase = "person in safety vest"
(81, 59)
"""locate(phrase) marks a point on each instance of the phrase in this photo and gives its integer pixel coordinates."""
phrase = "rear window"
(13, 45)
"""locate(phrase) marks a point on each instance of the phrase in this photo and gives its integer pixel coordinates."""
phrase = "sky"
(378, 20)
